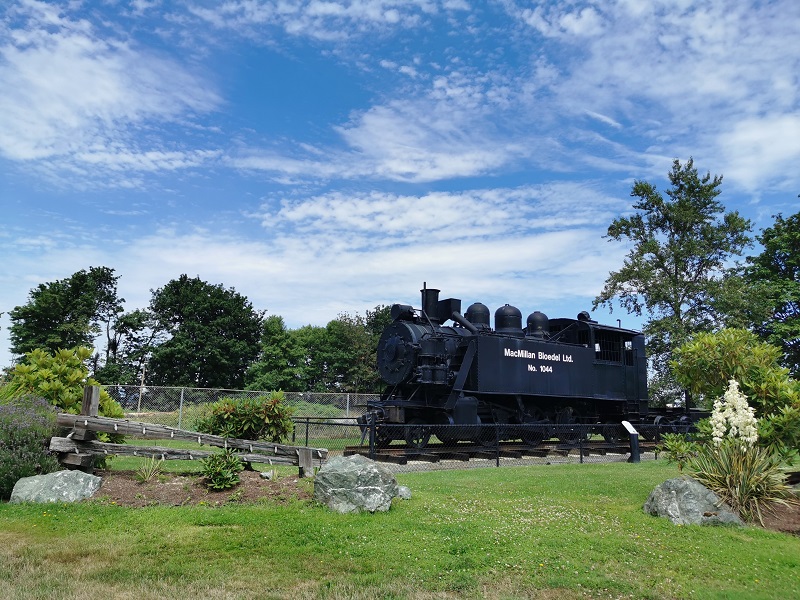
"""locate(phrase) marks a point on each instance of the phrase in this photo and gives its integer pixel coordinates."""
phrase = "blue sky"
(329, 156)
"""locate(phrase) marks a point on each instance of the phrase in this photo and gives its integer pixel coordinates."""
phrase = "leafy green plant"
(747, 479)
(262, 418)
(678, 448)
(708, 361)
(780, 432)
(59, 378)
(149, 470)
(26, 425)
(221, 470)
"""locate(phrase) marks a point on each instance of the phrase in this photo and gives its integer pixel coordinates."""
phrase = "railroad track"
(402, 453)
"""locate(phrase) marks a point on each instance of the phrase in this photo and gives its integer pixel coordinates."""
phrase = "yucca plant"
(149, 470)
(748, 479)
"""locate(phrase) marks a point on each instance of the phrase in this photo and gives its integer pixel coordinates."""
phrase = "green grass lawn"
(566, 531)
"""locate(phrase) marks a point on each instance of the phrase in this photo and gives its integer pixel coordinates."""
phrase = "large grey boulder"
(686, 501)
(355, 483)
(61, 486)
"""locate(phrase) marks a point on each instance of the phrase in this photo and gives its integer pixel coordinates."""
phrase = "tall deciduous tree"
(776, 275)
(677, 270)
(66, 313)
(212, 335)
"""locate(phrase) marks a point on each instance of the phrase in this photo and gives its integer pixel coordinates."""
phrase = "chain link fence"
(325, 420)
(182, 406)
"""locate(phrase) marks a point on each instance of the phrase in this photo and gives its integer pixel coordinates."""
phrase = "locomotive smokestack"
(430, 300)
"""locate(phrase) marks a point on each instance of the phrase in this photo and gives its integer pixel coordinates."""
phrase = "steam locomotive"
(554, 371)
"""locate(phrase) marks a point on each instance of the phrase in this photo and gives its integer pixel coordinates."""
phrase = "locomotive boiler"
(558, 371)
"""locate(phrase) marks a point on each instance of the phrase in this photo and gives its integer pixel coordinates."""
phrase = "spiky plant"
(749, 480)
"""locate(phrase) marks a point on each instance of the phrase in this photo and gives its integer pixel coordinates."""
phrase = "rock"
(403, 492)
(355, 483)
(686, 501)
(61, 486)
(268, 475)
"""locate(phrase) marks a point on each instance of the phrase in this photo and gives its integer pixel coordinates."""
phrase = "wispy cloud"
(73, 95)
(327, 21)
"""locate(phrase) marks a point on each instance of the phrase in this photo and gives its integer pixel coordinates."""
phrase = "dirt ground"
(121, 488)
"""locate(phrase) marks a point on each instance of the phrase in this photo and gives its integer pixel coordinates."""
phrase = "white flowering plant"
(734, 418)
(747, 478)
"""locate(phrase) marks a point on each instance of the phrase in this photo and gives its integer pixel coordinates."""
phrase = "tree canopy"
(209, 335)
(66, 313)
(676, 272)
(775, 273)
(339, 357)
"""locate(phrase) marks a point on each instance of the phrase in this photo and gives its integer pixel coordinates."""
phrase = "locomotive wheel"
(533, 436)
(383, 438)
(418, 434)
(571, 433)
(487, 434)
(613, 434)
(567, 428)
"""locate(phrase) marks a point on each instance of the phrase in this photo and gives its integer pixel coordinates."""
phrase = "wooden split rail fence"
(79, 449)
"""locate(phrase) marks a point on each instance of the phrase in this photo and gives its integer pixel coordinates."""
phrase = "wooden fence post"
(305, 459)
(90, 407)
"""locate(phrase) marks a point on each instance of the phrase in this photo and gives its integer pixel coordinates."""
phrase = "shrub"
(26, 426)
(708, 361)
(262, 418)
(221, 470)
(747, 479)
(678, 448)
(780, 432)
(58, 378)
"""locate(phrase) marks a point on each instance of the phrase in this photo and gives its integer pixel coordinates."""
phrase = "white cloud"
(711, 70)
(760, 149)
(71, 94)
(329, 21)
(436, 238)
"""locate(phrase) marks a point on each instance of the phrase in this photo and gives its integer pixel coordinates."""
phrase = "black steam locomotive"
(553, 371)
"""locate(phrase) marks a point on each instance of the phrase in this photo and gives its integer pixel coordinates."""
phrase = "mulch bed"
(121, 488)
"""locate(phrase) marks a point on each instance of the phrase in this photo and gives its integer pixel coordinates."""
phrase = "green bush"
(678, 448)
(708, 361)
(747, 479)
(262, 418)
(58, 378)
(149, 470)
(780, 432)
(221, 470)
(26, 426)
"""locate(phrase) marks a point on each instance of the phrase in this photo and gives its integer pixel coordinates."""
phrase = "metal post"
(307, 423)
(180, 410)
(634, 458)
(497, 443)
(347, 408)
(580, 443)
(371, 425)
